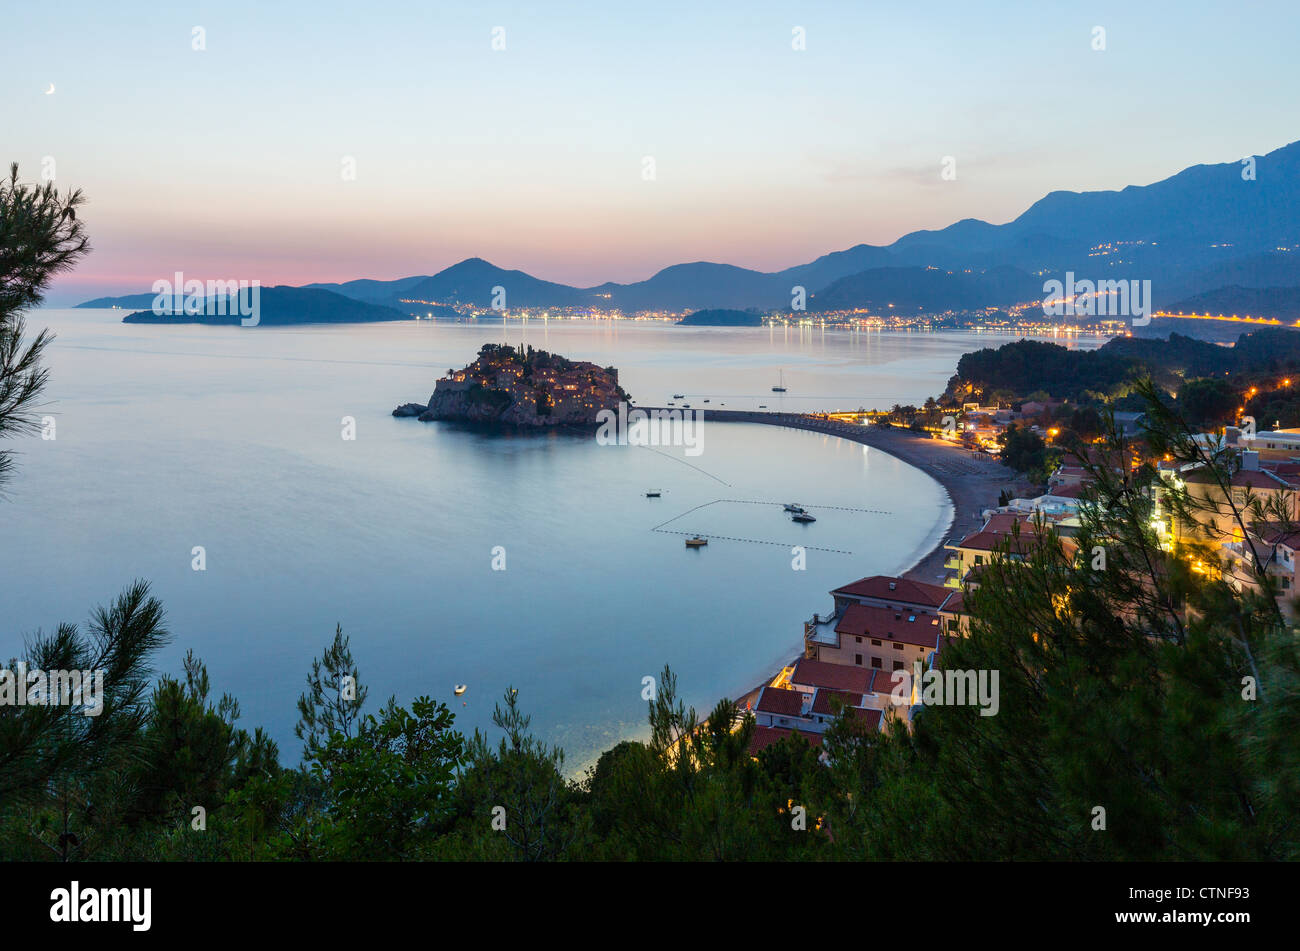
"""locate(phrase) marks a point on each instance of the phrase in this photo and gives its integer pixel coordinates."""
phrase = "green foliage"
(513, 799)
(1025, 451)
(1146, 710)
(1208, 402)
(386, 791)
(334, 697)
(40, 236)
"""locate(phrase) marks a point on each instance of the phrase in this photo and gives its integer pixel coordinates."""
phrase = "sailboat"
(780, 387)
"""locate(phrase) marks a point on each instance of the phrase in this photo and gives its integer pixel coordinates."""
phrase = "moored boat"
(696, 542)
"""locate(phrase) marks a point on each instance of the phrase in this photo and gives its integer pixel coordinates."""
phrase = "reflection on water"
(174, 437)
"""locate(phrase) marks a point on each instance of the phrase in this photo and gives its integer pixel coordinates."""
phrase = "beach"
(972, 479)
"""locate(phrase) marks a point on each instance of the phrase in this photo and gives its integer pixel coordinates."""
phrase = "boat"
(793, 507)
(780, 387)
(762, 406)
(706, 401)
(653, 494)
(460, 689)
(679, 396)
(802, 517)
(696, 542)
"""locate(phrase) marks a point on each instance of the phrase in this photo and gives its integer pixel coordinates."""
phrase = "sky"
(232, 161)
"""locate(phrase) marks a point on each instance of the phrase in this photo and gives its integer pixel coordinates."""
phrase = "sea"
(257, 479)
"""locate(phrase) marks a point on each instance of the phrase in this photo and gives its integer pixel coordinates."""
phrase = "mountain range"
(1207, 228)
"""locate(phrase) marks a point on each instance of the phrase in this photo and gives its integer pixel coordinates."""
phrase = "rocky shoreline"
(521, 388)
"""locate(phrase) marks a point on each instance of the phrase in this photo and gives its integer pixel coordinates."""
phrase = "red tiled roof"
(1018, 544)
(822, 702)
(871, 718)
(867, 620)
(1244, 478)
(1272, 534)
(818, 673)
(956, 603)
(1005, 521)
(780, 701)
(904, 590)
(765, 736)
(1066, 491)
(886, 680)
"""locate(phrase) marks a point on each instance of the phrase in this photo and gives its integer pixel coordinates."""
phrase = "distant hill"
(1205, 214)
(280, 306)
(909, 290)
(126, 301)
(1029, 365)
(473, 281)
(1202, 229)
(387, 293)
(701, 284)
(721, 318)
(1282, 303)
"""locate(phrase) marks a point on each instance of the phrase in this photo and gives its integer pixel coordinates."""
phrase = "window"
(875, 662)
(857, 640)
(979, 559)
(857, 659)
(898, 665)
(897, 646)
(875, 643)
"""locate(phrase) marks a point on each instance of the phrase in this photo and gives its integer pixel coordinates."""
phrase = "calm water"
(174, 437)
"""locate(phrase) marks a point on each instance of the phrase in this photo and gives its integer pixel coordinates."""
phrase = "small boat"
(460, 689)
(762, 406)
(792, 507)
(706, 401)
(679, 396)
(780, 387)
(686, 405)
(696, 542)
(802, 517)
(653, 494)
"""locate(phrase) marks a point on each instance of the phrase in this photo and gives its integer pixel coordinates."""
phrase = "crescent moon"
(50, 91)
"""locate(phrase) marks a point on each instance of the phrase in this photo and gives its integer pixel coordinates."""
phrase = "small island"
(719, 317)
(522, 387)
(270, 306)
